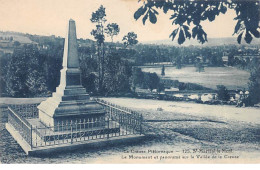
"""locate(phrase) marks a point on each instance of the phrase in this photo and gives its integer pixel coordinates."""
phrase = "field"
(230, 77)
(17, 37)
(180, 127)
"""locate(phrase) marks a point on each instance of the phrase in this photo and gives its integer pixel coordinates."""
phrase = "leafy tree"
(117, 74)
(36, 82)
(151, 80)
(178, 62)
(231, 59)
(247, 62)
(93, 49)
(137, 77)
(254, 84)
(215, 59)
(17, 43)
(222, 93)
(4, 59)
(25, 73)
(163, 71)
(160, 87)
(181, 86)
(88, 66)
(52, 63)
(188, 15)
(237, 61)
(199, 67)
(16, 75)
(90, 83)
(99, 17)
(112, 30)
(130, 39)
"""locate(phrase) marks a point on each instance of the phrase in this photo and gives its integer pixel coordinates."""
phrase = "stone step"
(77, 134)
(71, 91)
(77, 97)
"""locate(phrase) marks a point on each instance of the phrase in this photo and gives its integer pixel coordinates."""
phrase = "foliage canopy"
(130, 39)
(188, 15)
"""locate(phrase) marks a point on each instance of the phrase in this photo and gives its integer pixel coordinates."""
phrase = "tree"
(36, 82)
(199, 66)
(25, 73)
(247, 62)
(188, 15)
(93, 49)
(99, 17)
(231, 59)
(52, 62)
(222, 93)
(163, 71)
(160, 87)
(17, 43)
(4, 59)
(137, 77)
(130, 39)
(151, 80)
(117, 74)
(90, 80)
(178, 62)
(216, 59)
(112, 30)
(254, 84)
(88, 66)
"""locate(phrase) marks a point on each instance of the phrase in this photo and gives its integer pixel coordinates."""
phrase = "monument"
(69, 119)
(70, 102)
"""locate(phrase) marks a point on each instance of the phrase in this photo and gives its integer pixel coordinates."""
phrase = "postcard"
(129, 82)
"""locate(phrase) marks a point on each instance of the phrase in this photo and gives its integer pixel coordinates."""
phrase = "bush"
(254, 85)
(163, 71)
(222, 93)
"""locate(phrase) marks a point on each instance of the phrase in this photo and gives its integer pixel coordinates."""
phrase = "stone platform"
(46, 134)
(46, 142)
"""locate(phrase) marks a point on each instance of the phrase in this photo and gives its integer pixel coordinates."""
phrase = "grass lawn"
(230, 77)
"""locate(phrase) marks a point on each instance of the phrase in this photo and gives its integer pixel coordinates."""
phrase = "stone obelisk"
(70, 102)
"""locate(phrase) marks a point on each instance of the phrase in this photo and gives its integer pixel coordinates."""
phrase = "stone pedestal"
(70, 102)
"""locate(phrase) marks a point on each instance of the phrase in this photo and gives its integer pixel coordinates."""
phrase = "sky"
(50, 17)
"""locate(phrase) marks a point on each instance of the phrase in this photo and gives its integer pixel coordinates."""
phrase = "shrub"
(222, 93)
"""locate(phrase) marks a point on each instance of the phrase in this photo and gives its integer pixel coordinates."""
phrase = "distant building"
(225, 59)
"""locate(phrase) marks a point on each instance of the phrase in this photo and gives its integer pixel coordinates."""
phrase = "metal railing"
(119, 121)
(126, 117)
(27, 111)
(74, 131)
(21, 125)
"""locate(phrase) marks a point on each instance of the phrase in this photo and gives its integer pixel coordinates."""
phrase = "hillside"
(22, 38)
(8, 40)
(211, 42)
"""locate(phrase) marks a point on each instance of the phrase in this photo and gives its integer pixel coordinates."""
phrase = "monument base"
(67, 147)
(56, 122)
(70, 105)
